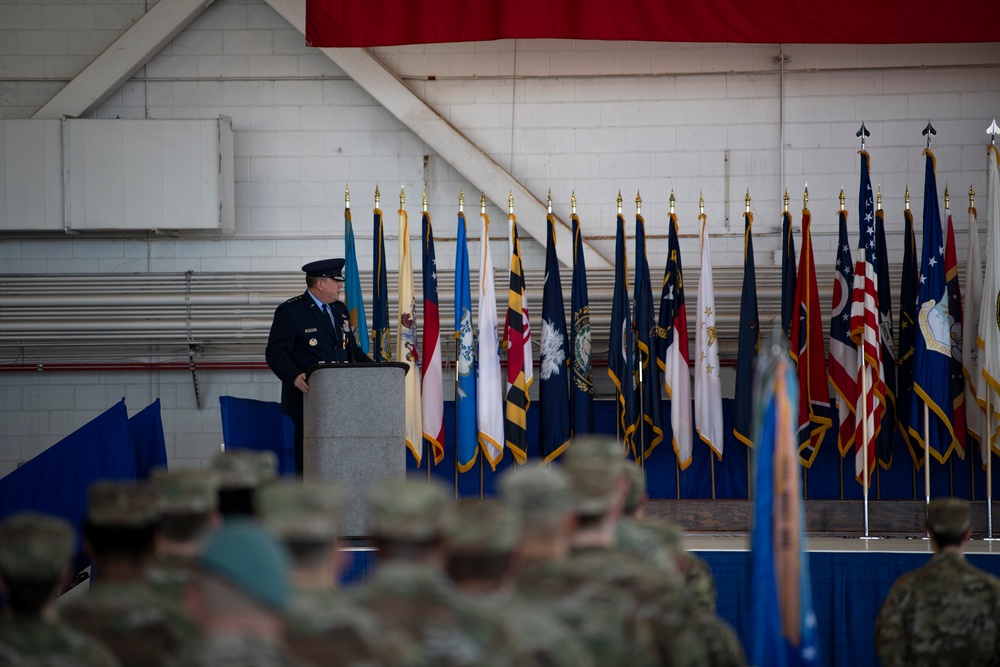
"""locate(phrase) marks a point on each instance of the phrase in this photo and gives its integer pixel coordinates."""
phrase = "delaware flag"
(843, 352)
(707, 383)
(975, 419)
(955, 315)
(782, 621)
(674, 355)
(866, 332)
(621, 346)
(650, 432)
(431, 398)
(932, 341)
(807, 336)
(489, 410)
(581, 372)
(382, 346)
(749, 339)
(988, 382)
(553, 422)
(466, 425)
(517, 342)
(907, 330)
(887, 432)
(352, 285)
(789, 305)
(406, 342)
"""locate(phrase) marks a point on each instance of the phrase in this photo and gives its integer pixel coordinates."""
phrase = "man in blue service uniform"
(308, 329)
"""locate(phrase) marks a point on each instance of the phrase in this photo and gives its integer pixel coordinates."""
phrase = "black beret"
(326, 268)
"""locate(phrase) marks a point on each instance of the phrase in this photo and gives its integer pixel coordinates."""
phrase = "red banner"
(365, 23)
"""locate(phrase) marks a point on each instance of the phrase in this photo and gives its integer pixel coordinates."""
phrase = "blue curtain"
(259, 425)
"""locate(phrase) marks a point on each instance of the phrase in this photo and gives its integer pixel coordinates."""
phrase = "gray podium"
(354, 432)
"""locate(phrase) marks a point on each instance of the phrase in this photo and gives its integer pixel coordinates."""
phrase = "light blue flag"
(466, 427)
(352, 285)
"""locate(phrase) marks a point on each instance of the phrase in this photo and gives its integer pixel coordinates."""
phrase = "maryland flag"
(650, 432)
(674, 355)
(352, 285)
(431, 397)
(621, 360)
(554, 420)
(382, 346)
(843, 371)
(749, 339)
(406, 342)
(517, 342)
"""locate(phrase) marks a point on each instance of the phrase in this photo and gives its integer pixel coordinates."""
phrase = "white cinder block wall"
(593, 118)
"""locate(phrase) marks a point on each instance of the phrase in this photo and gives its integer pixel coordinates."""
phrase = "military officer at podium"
(308, 329)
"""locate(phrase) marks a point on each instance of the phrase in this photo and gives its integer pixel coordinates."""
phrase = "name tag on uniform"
(310, 330)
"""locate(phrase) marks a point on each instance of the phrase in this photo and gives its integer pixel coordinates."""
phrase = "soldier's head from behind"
(121, 526)
(34, 552)
(949, 522)
(480, 538)
(542, 499)
(187, 503)
(406, 518)
(241, 472)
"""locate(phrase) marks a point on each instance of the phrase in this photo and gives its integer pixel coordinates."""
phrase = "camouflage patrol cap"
(595, 483)
(540, 495)
(604, 447)
(245, 468)
(948, 516)
(408, 510)
(124, 503)
(636, 486)
(186, 491)
(302, 509)
(482, 527)
(250, 558)
(35, 546)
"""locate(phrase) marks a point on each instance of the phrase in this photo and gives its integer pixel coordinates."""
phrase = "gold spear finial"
(402, 197)
(378, 196)
(572, 201)
(785, 199)
(461, 201)
(424, 199)
(805, 197)
(549, 200)
(947, 197)
(673, 200)
(638, 203)
(878, 198)
(619, 202)
(842, 197)
(482, 203)
(510, 202)
(972, 197)
(746, 201)
(701, 203)
(906, 197)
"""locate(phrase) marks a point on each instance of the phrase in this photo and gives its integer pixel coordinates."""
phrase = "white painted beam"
(144, 39)
(444, 138)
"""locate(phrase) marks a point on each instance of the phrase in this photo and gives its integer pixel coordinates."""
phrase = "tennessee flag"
(431, 398)
(352, 285)
(554, 420)
(518, 346)
(807, 336)
(621, 368)
(650, 432)
(466, 399)
(674, 352)
(489, 411)
(406, 341)
(843, 352)
(957, 337)
(988, 382)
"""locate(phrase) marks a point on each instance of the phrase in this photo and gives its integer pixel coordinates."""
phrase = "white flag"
(489, 397)
(973, 295)
(406, 341)
(988, 381)
(707, 387)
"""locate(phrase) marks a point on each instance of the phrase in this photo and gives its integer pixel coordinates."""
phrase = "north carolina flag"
(431, 398)
(887, 432)
(988, 382)
(554, 420)
(707, 382)
(955, 315)
(975, 418)
(489, 410)
(352, 285)
(807, 335)
(932, 342)
(789, 305)
(650, 432)
(843, 352)
(581, 371)
(749, 339)
(407, 345)
(381, 345)
(909, 288)
(466, 399)
(674, 357)
(621, 362)
(517, 344)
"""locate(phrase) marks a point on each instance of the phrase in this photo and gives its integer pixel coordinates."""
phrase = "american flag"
(865, 331)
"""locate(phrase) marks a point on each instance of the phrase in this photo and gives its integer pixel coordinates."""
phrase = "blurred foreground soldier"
(606, 619)
(311, 328)
(323, 625)
(946, 613)
(409, 590)
(481, 537)
(187, 505)
(34, 552)
(121, 610)
(239, 600)
(241, 472)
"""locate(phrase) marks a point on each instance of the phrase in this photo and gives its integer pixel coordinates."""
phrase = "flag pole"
(746, 206)
(461, 209)
(704, 224)
(863, 132)
(428, 450)
(992, 130)
(619, 405)
(482, 459)
(928, 132)
(640, 453)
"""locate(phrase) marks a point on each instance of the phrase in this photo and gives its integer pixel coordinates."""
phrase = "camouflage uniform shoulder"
(38, 643)
(721, 641)
(169, 575)
(636, 539)
(235, 651)
(538, 632)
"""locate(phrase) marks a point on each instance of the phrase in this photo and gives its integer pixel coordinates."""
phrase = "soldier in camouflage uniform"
(409, 591)
(242, 592)
(121, 610)
(946, 613)
(241, 472)
(606, 619)
(480, 540)
(187, 505)
(323, 625)
(34, 551)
